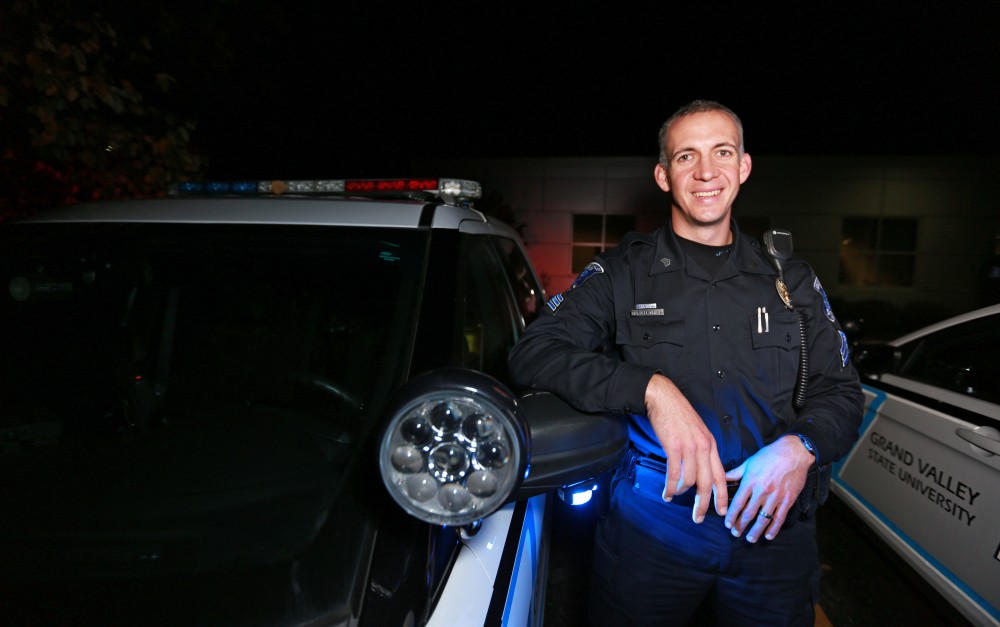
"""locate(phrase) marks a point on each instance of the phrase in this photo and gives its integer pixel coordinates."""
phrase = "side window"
(488, 320)
(961, 359)
(527, 292)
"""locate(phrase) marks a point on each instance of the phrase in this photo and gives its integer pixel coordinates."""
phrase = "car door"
(925, 469)
(499, 574)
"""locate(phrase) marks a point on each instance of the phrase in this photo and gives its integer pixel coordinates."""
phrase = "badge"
(783, 292)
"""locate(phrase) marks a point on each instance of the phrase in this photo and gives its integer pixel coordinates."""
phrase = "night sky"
(316, 89)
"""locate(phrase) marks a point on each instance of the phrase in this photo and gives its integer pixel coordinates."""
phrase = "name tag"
(647, 312)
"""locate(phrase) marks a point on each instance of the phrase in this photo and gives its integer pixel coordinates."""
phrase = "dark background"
(300, 89)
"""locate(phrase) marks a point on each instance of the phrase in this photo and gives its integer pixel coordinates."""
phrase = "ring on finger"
(765, 515)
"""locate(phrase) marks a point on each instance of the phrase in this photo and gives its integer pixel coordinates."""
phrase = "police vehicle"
(278, 403)
(925, 470)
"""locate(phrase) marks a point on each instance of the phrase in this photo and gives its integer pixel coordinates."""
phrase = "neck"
(715, 234)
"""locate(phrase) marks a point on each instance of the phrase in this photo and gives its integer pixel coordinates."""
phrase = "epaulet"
(635, 237)
(628, 241)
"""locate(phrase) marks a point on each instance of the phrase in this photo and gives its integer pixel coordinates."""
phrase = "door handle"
(978, 439)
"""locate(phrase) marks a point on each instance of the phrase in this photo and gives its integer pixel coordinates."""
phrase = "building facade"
(905, 240)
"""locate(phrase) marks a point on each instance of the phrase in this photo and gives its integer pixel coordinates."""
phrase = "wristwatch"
(806, 443)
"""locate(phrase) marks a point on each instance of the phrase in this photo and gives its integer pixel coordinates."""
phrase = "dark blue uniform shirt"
(727, 341)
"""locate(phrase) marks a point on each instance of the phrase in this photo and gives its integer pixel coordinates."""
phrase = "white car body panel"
(467, 595)
(930, 493)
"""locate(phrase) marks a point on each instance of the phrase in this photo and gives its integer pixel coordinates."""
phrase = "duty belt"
(654, 470)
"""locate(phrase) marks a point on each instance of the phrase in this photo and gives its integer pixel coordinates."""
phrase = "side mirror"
(569, 449)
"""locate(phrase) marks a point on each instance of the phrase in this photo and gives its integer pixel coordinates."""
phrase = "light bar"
(451, 191)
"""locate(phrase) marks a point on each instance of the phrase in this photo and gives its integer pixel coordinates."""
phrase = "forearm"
(588, 380)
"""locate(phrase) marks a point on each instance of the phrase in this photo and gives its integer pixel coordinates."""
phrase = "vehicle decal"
(868, 420)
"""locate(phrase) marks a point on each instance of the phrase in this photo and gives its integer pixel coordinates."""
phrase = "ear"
(745, 166)
(660, 174)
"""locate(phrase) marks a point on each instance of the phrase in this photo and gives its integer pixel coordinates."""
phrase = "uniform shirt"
(727, 341)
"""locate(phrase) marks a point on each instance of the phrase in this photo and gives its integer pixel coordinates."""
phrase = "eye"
(684, 158)
(725, 152)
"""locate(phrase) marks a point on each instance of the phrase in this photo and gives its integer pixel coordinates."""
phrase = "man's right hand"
(692, 457)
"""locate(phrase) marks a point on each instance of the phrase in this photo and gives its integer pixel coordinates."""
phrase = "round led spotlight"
(474, 458)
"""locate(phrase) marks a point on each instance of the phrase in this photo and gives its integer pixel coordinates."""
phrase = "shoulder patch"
(845, 351)
(827, 309)
(591, 269)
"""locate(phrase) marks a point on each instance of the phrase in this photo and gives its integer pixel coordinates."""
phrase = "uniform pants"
(653, 566)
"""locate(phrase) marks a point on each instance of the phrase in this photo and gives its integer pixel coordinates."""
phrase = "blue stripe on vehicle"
(532, 550)
(866, 422)
(869, 417)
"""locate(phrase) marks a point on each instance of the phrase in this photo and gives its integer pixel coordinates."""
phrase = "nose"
(706, 170)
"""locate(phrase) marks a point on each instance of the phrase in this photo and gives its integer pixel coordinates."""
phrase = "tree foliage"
(79, 117)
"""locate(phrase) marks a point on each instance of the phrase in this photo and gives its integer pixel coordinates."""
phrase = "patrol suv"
(277, 402)
(923, 474)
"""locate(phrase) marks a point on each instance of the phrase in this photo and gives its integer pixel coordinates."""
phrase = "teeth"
(707, 194)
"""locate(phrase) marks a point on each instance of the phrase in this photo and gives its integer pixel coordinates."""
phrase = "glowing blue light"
(189, 187)
(245, 187)
(582, 498)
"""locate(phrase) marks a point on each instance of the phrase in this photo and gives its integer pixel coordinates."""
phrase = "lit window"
(595, 233)
(878, 252)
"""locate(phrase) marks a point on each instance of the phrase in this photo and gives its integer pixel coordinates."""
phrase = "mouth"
(714, 192)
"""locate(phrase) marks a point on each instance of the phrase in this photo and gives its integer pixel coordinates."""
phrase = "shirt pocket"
(654, 342)
(775, 339)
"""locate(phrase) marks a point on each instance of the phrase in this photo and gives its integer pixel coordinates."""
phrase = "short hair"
(696, 106)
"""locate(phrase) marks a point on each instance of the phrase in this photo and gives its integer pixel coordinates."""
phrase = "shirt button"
(727, 419)
(711, 284)
(721, 374)
(716, 327)
(645, 336)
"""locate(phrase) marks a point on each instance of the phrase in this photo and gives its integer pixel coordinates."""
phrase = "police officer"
(689, 331)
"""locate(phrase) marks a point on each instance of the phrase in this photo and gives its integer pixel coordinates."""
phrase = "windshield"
(181, 398)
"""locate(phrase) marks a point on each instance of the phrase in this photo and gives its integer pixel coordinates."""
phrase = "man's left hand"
(770, 481)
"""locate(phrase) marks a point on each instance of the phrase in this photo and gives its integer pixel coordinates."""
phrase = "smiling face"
(703, 172)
